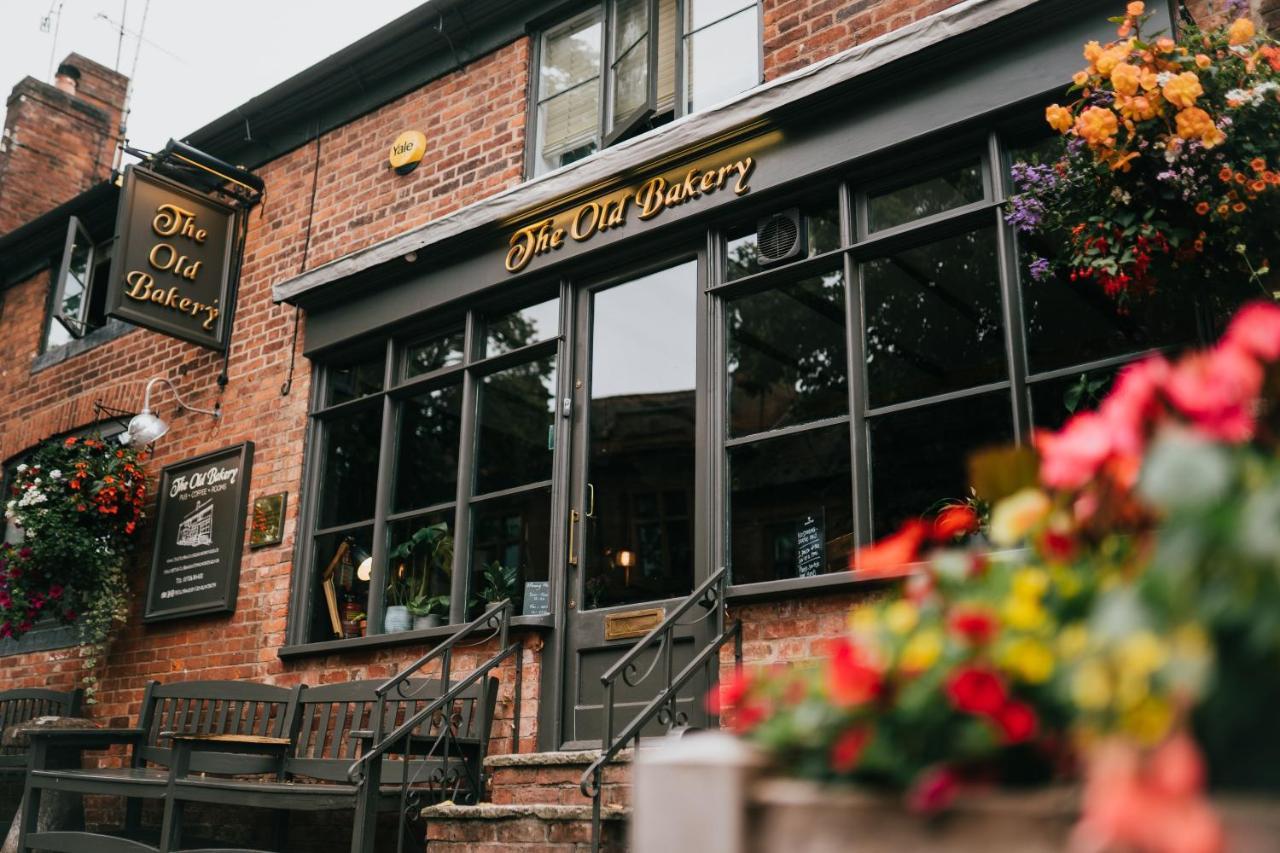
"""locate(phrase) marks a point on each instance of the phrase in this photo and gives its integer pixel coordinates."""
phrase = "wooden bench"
(23, 706)
(441, 758)
(183, 708)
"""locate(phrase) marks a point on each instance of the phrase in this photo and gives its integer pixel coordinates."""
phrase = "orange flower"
(1223, 210)
(1195, 123)
(1239, 207)
(1080, 78)
(1164, 44)
(1097, 126)
(1258, 164)
(1240, 32)
(1183, 90)
(1203, 61)
(1125, 78)
(1224, 174)
(1120, 162)
(1059, 118)
(1258, 185)
(1113, 56)
(1202, 208)
(1135, 9)
(1139, 107)
(1092, 50)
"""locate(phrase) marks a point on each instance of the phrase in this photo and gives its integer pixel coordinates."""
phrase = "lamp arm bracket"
(216, 411)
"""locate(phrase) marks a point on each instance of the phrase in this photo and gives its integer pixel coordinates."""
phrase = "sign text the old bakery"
(200, 523)
(172, 268)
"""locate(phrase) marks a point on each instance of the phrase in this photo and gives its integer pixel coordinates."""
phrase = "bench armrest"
(86, 738)
(248, 745)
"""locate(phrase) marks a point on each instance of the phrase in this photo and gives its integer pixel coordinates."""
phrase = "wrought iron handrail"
(497, 617)
(663, 707)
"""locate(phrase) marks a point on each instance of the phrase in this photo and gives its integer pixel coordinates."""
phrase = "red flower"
(954, 520)
(1134, 402)
(1070, 458)
(1256, 330)
(973, 690)
(975, 624)
(729, 693)
(1216, 390)
(851, 681)
(847, 749)
(1017, 722)
(933, 790)
(891, 555)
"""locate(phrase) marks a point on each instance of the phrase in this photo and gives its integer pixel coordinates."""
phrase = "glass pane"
(1053, 401)
(933, 319)
(638, 542)
(787, 355)
(666, 56)
(918, 457)
(631, 82)
(75, 288)
(349, 467)
(352, 381)
(722, 60)
(516, 426)
(420, 557)
(568, 93)
(339, 596)
(822, 228)
(427, 449)
(791, 506)
(703, 12)
(521, 328)
(434, 353)
(511, 546)
(954, 189)
(570, 56)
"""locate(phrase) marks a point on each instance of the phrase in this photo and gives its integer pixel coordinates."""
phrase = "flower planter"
(803, 817)
(397, 619)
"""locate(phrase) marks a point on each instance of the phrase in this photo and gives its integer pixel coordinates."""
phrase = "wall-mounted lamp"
(145, 427)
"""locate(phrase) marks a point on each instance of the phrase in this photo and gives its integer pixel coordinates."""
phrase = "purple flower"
(1040, 269)
(1025, 213)
(1236, 8)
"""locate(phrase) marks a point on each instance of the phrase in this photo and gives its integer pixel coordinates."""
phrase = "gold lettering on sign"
(650, 199)
(170, 220)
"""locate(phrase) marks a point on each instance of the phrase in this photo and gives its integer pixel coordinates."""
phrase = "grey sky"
(198, 60)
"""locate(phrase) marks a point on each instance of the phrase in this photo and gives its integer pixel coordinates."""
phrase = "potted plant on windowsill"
(426, 554)
(428, 611)
(498, 583)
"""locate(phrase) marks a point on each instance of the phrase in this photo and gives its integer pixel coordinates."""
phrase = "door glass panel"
(515, 435)
(427, 450)
(787, 355)
(639, 536)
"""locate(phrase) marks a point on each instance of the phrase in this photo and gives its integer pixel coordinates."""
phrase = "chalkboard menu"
(537, 598)
(200, 522)
(811, 545)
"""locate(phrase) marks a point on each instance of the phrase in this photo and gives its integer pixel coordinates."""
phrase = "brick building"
(676, 286)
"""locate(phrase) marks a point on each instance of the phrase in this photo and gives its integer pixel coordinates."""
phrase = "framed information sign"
(200, 523)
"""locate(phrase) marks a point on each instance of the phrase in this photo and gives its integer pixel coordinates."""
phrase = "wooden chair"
(442, 759)
(22, 706)
(213, 708)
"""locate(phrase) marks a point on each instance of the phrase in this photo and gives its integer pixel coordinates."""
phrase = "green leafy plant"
(498, 582)
(77, 503)
(429, 605)
(428, 551)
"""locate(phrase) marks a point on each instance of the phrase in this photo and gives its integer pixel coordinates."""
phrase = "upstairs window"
(624, 66)
(77, 306)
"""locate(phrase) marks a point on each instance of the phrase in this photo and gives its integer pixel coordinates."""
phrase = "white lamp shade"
(145, 428)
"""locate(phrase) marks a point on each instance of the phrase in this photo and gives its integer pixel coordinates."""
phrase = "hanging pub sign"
(172, 268)
(200, 522)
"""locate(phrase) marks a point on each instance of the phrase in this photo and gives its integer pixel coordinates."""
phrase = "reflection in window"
(569, 93)
(434, 353)
(349, 467)
(427, 450)
(925, 198)
(354, 380)
(791, 506)
(933, 319)
(1054, 401)
(511, 539)
(515, 426)
(721, 47)
(787, 356)
(822, 233)
(78, 300)
(518, 329)
(918, 456)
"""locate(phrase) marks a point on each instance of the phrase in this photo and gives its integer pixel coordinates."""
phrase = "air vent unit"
(780, 237)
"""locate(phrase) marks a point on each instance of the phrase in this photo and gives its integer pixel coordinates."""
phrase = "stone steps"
(552, 778)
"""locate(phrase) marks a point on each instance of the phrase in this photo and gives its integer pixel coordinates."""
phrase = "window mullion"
(1010, 292)
(852, 217)
(466, 475)
(381, 506)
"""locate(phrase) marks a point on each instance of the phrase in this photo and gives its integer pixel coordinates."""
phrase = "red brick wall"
(56, 144)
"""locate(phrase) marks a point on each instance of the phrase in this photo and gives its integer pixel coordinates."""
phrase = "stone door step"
(521, 828)
(553, 778)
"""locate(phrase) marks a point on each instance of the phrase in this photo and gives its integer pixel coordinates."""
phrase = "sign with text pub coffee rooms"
(200, 523)
(171, 270)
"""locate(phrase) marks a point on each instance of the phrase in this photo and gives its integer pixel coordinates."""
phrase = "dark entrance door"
(637, 540)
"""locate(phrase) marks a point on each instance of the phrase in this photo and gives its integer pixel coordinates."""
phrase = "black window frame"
(91, 314)
(609, 132)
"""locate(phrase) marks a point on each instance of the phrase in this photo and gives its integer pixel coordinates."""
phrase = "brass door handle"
(591, 502)
(573, 523)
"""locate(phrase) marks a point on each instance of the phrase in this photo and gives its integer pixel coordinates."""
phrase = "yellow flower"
(901, 616)
(1135, 9)
(1092, 50)
(1059, 118)
(1065, 581)
(1091, 687)
(1150, 80)
(1195, 123)
(1080, 77)
(1015, 516)
(863, 620)
(922, 650)
(1241, 31)
(1164, 44)
(1024, 614)
(1203, 61)
(1131, 689)
(1139, 107)
(1073, 641)
(1183, 89)
(1125, 78)
(1030, 583)
(1141, 652)
(1029, 660)
(1113, 56)
(1149, 720)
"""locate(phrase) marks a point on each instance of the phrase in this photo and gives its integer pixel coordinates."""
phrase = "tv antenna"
(51, 22)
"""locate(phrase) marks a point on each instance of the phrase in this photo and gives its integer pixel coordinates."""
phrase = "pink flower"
(933, 790)
(1256, 330)
(1069, 459)
(1134, 403)
(1217, 390)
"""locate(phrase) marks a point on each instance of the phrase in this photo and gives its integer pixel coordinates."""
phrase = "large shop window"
(627, 65)
(72, 313)
(433, 466)
(860, 371)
